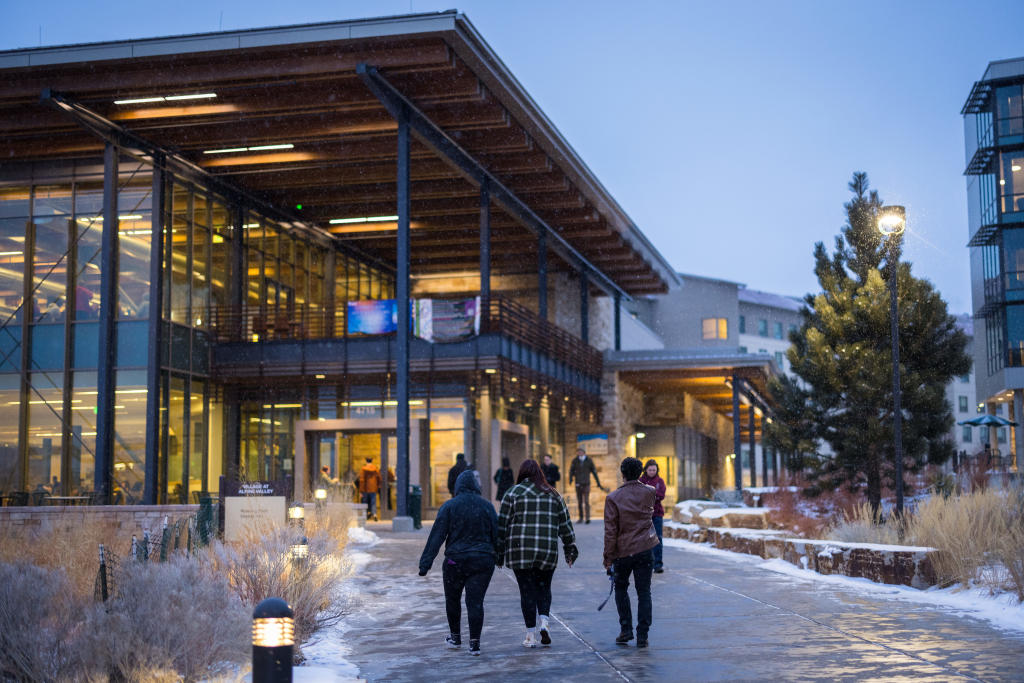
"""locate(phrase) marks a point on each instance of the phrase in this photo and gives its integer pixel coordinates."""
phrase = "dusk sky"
(727, 130)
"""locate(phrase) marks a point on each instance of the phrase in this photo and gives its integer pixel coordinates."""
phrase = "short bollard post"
(320, 497)
(297, 515)
(273, 639)
(299, 552)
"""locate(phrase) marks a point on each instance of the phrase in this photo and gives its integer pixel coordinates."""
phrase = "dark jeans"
(370, 500)
(640, 566)
(534, 593)
(658, 522)
(583, 500)
(473, 574)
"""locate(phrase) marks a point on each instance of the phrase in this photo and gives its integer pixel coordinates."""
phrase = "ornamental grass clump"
(862, 525)
(171, 620)
(1010, 546)
(968, 530)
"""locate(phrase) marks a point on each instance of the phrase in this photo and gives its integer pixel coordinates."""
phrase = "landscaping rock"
(684, 511)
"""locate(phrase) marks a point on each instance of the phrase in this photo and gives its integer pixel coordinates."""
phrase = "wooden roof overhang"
(299, 86)
(707, 378)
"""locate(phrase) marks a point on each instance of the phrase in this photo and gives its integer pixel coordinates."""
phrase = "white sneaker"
(531, 639)
(453, 642)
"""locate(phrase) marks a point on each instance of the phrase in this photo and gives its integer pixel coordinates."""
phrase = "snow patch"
(1002, 611)
(358, 535)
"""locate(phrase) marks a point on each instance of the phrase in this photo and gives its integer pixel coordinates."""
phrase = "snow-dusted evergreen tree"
(842, 355)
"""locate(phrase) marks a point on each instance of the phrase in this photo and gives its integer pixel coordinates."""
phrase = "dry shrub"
(73, 550)
(789, 513)
(261, 567)
(967, 529)
(169, 621)
(862, 525)
(1010, 546)
(38, 616)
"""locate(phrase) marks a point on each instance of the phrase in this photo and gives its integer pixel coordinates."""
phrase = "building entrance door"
(344, 446)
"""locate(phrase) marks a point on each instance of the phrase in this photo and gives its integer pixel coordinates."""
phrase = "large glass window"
(45, 434)
(134, 234)
(1013, 263)
(52, 209)
(130, 436)
(1009, 114)
(1015, 334)
(83, 432)
(9, 408)
(1011, 184)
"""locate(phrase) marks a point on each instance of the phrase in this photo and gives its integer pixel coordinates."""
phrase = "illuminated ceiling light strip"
(256, 148)
(364, 219)
(167, 98)
(11, 253)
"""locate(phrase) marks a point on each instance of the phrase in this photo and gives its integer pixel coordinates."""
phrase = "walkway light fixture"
(320, 496)
(299, 552)
(892, 221)
(273, 641)
(297, 514)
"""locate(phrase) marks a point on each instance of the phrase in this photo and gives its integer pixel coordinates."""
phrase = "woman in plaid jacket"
(532, 519)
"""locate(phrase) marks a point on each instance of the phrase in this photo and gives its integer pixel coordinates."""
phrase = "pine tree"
(842, 357)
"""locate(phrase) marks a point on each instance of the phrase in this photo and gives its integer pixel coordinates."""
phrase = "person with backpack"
(533, 518)
(468, 527)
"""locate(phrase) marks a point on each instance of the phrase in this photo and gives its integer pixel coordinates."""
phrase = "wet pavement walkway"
(715, 619)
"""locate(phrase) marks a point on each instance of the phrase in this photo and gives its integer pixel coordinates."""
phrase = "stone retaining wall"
(891, 564)
(124, 519)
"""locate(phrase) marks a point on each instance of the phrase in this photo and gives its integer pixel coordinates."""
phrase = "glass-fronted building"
(204, 274)
(994, 134)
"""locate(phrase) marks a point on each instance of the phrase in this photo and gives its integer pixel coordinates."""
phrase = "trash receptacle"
(416, 506)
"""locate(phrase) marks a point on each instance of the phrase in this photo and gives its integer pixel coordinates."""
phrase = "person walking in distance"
(369, 487)
(458, 468)
(651, 478)
(580, 471)
(503, 479)
(468, 527)
(532, 519)
(629, 541)
(550, 470)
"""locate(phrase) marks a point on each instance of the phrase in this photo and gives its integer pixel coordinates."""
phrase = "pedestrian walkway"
(715, 619)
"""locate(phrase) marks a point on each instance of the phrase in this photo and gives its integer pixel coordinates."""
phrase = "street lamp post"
(891, 222)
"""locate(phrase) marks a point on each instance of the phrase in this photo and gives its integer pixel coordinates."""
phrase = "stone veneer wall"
(125, 519)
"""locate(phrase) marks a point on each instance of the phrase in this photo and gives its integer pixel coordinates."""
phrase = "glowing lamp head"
(892, 220)
(296, 511)
(641, 435)
(320, 494)
(273, 624)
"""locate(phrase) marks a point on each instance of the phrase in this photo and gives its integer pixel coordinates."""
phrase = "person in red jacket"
(651, 478)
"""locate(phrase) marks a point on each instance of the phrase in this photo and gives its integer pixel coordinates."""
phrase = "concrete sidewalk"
(714, 619)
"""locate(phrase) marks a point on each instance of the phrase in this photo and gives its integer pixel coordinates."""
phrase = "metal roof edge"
(427, 22)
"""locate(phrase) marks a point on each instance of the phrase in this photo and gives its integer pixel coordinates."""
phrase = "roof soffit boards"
(312, 97)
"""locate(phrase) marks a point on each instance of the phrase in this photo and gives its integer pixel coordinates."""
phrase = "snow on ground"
(1002, 611)
(326, 652)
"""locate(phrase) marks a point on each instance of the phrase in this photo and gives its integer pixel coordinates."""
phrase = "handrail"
(305, 322)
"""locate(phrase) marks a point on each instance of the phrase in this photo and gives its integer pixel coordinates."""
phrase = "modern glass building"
(994, 134)
(257, 253)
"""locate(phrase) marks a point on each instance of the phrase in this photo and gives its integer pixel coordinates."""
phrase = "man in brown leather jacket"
(629, 539)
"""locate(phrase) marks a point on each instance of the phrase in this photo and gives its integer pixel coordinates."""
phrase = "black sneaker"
(624, 636)
(454, 641)
(641, 641)
(587, 522)
(545, 637)
(659, 570)
(474, 647)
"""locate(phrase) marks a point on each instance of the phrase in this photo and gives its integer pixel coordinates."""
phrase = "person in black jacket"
(580, 471)
(468, 527)
(458, 468)
(504, 478)
(550, 470)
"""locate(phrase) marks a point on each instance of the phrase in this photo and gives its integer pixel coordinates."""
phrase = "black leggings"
(473, 574)
(534, 593)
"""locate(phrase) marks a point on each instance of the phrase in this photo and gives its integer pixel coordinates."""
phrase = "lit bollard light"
(273, 641)
(320, 496)
(299, 552)
(297, 515)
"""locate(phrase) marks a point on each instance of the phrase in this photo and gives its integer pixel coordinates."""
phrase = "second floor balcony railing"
(304, 322)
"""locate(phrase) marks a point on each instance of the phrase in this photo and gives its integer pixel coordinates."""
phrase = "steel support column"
(737, 443)
(542, 276)
(618, 322)
(105, 381)
(485, 257)
(584, 307)
(402, 334)
(752, 444)
(764, 457)
(156, 298)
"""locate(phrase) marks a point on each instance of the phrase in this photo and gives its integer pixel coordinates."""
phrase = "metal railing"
(304, 322)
